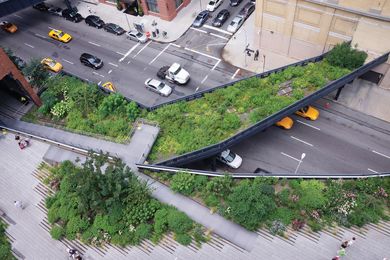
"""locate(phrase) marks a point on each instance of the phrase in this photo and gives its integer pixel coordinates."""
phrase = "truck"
(174, 73)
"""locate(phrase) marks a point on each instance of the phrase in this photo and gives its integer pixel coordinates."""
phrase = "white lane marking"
(68, 61)
(173, 44)
(204, 79)
(146, 45)
(384, 155)
(51, 28)
(201, 53)
(128, 53)
(120, 53)
(309, 125)
(40, 35)
(289, 156)
(94, 44)
(299, 140)
(17, 16)
(235, 73)
(112, 64)
(158, 55)
(98, 74)
(216, 64)
(99, 82)
(219, 36)
(29, 45)
(199, 30)
(109, 72)
(217, 29)
(371, 170)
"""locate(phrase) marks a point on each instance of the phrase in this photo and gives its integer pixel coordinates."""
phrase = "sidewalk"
(109, 13)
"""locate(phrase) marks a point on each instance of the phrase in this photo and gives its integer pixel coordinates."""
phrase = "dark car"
(41, 7)
(113, 28)
(95, 21)
(221, 18)
(235, 2)
(72, 15)
(55, 11)
(91, 61)
(201, 18)
(247, 10)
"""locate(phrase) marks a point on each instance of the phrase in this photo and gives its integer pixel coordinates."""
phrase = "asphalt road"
(127, 63)
(333, 144)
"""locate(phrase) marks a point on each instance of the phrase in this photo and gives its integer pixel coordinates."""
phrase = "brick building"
(165, 9)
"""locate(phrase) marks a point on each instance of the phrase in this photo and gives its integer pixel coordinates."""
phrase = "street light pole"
(299, 164)
(263, 62)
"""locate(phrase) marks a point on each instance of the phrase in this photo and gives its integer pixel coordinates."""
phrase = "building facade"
(305, 28)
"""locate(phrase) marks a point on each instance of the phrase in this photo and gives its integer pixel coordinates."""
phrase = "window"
(152, 6)
(178, 3)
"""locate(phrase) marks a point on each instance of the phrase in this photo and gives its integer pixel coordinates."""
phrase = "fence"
(271, 120)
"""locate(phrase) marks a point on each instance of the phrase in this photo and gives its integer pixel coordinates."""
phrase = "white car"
(229, 158)
(158, 87)
(235, 24)
(213, 4)
(136, 36)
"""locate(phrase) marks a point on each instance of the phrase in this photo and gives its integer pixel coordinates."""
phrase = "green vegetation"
(110, 206)
(343, 56)
(279, 203)
(5, 246)
(82, 107)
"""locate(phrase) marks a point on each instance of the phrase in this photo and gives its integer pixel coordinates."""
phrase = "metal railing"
(173, 170)
(214, 149)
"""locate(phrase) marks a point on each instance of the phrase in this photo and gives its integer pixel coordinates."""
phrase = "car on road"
(158, 87)
(109, 86)
(247, 10)
(91, 61)
(51, 64)
(221, 18)
(235, 24)
(174, 74)
(8, 27)
(285, 123)
(41, 7)
(60, 36)
(213, 4)
(235, 2)
(95, 21)
(308, 112)
(230, 159)
(201, 18)
(113, 28)
(55, 10)
(136, 36)
(72, 15)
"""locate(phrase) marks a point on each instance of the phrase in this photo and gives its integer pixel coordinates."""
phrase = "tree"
(36, 72)
(343, 56)
(312, 195)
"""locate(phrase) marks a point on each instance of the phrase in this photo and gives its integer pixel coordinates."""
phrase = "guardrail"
(214, 149)
(173, 170)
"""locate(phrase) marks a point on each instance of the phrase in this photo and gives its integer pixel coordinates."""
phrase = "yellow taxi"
(308, 112)
(285, 123)
(8, 27)
(60, 36)
(51, 64)
(109, 86)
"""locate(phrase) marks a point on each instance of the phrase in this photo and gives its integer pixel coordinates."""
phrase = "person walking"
(18, 204)
(256, 57)
(336, 258)
(348, 243)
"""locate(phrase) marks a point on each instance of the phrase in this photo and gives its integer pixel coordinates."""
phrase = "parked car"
(221, 18)
(158, 87)
(201, 18)
(285, 123)
(235, 24)
(235, 2)
(72, 15)
(91, 61)
(113, 28)
(8, 27)
(60, 36)
(55, 11)
(247, 10)
(51, 64)
(95, 21)
(41, 7)
(136, 36)
(213, 4)
(308, 112)
(230, 159)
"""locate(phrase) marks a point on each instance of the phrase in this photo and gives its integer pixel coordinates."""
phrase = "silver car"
(158, 87)
(235, 24)
(136, 36)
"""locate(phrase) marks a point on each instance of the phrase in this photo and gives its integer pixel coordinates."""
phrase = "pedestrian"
(336, 258)
(348, 243)
(89, 9)
(256, 57)
(18, 204)
(17, 137)
(341, 252)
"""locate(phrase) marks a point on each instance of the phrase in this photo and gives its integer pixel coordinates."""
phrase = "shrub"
(183, 183)
(183, 239)
(57, 232)
(179, 222)
(342, 55)
(311, 194)
(277, 228)
(219, 186)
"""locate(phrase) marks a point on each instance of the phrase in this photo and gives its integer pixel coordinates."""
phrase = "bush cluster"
(5, 246)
